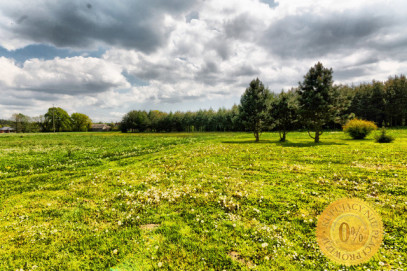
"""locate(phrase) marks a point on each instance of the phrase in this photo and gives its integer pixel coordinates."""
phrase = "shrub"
(359, 129)
(383, 138)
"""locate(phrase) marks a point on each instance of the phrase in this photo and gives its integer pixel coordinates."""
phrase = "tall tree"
(58, 119)
(396, 100)
(22, 123)
(284, 113)
(317, 99)
(135, 121)
(253, 107)
(80, 122)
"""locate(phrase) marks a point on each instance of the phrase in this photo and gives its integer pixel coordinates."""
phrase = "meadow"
(191, 201)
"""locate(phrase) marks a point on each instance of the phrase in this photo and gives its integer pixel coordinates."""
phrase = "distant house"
(6, 130)
(100, 128)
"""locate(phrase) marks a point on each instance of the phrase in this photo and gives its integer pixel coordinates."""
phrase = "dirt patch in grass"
(149, 227)
(238, 258)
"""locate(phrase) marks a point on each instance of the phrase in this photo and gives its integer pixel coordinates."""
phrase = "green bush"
(359, 129)
(383, 137)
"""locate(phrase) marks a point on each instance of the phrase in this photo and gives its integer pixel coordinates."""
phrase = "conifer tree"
(253, 107)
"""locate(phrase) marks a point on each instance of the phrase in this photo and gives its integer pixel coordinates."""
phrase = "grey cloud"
(245, 70)
(161, 72)
(310, 35)
(128, 24)
(208, 74)
(221, 46)
(220, 92)
(21, 19)
(191, 16)
(240, 27)
(345, 73)
(73, 88)
(28, 96)
(178, 98)
(13, 102)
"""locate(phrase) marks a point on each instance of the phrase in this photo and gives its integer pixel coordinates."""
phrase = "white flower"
(267, 258)
(160, 264)
(115, 251)
(264, 245)
(119, 223)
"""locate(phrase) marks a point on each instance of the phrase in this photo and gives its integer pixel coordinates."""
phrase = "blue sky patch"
(46, 52)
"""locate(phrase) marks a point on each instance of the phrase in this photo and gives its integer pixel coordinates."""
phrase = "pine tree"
(253, 107)
(317, 99)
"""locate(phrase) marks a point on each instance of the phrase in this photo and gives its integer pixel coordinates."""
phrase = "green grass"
(202, 201)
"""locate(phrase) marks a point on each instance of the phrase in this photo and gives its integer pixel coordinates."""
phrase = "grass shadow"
(249, 142)
(307, 144)
(285, 144)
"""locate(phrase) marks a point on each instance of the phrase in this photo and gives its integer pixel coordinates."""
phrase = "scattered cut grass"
(199, 201)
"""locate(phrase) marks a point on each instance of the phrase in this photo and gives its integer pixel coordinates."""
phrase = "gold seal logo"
(349, 231)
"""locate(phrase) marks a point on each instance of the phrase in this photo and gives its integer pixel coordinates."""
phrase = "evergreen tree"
(284, 113)
(317, 99)
(253, 107)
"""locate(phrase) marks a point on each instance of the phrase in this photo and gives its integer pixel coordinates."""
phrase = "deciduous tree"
(80, 122)
(57, 118)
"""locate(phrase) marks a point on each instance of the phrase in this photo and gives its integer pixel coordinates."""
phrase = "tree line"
(55, 120)
(314, 105)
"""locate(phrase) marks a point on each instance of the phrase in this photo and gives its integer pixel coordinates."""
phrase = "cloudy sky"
(105, 58)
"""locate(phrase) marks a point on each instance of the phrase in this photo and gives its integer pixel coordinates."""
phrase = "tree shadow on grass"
(307, 144)
(285, 144)
(249, 142)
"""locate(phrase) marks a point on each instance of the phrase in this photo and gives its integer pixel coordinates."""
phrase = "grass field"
(203, 201)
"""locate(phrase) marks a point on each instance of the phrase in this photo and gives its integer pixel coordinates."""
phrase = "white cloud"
(71, 76)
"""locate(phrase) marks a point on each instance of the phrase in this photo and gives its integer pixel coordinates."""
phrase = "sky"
(105, 58)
